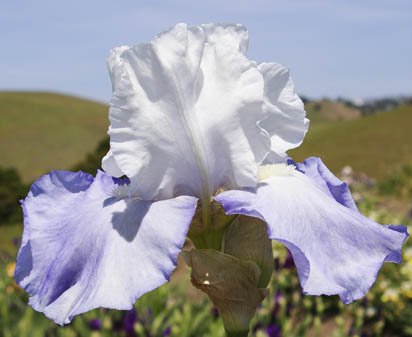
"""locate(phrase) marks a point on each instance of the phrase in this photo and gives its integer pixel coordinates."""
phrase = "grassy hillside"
(44, 131)
(326, 111)
(374, 145)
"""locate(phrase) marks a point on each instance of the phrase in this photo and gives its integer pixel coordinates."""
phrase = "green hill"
(375, 144)
(44, 131)
(326, 111)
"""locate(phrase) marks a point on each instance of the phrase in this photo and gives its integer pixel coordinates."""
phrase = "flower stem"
(212, 239)
(243, 333)
(206, 210)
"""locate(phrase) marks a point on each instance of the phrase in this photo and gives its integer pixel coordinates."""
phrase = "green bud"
(209, 236)
(231, 284)
(246, 238)
(233, 264)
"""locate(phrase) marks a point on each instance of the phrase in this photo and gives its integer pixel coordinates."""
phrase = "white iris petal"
(109, 165)
(188, 113)
(286, 123)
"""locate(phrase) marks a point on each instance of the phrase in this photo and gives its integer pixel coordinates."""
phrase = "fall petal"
(87, 245)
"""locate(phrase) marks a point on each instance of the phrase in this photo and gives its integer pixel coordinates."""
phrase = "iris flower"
(198, 140)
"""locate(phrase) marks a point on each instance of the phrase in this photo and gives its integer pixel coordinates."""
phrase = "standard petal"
(286, 122)
(185, 112)
(335, 248)
(321, 176)
(86, 246)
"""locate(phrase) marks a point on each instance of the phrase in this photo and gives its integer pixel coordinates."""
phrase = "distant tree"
(317, 106)
(382, 105)
(347, 102)
(12, 190)
(305, 99)
(93, 160)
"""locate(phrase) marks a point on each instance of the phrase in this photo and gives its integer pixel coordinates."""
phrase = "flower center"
(123, 191)
(275, 170)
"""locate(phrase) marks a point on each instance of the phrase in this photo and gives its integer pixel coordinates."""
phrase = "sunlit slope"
(44, 131)
(326, 111)
(374, 144)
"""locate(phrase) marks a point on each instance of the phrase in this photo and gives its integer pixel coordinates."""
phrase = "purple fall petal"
(316, 170)
(87, 245)
(336, 250)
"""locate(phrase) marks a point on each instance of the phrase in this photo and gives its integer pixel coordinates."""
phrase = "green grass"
(327, 111)
(44, 131)
(7, 234)
(375, 145)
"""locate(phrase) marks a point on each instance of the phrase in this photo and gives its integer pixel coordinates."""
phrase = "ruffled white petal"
(185, 112)
(109, 165)
(286, 122)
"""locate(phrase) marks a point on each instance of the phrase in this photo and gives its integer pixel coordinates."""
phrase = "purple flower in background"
(15, 241)
(277, 299)
(129, 320)
(193, 122)
(167, 332)
(214, 312)
(273, 331)
(288, 264)
(95, 324)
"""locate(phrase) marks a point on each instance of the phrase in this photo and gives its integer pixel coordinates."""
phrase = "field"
(44, 131)
(375, 145)
(327, 111)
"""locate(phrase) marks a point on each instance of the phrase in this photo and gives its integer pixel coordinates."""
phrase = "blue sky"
(356, 49)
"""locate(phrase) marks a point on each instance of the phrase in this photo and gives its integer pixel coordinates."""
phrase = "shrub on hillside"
(399, 183)
(93, 160)
(11, 191)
